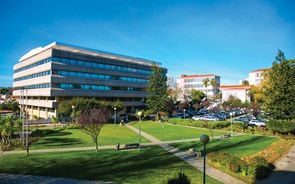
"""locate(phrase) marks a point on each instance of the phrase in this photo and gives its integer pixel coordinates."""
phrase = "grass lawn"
(239, 146)
(109, 135)
(169, 132)
(150, 165)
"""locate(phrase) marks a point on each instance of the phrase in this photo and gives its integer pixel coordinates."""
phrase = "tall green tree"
(206, 84)
(157, 97)
(279, 91)
(197, 96)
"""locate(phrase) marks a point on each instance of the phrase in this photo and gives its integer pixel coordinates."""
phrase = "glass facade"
(85, 64)
(33, 76)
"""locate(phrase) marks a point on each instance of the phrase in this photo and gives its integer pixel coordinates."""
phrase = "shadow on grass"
(60, 134)
(56, 142)
(107, 165)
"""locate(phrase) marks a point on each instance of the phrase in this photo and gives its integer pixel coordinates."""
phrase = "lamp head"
(204, 139)
(139, 113)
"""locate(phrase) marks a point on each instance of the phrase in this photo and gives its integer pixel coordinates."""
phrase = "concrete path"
(30, 179)
(192, 160)
(285, 170)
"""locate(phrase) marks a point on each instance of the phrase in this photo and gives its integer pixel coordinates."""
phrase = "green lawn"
(109, 135)
(239, 146)
(167, 132)
(150, 165)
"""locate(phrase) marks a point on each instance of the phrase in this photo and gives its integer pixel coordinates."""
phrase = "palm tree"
(206, 83)
(6, 129)
(213, 83)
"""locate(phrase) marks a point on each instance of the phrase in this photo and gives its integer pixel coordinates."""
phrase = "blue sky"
(228, 38)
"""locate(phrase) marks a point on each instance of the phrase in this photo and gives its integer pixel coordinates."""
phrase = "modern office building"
(61, 71)
(189, 82)
(256, 76)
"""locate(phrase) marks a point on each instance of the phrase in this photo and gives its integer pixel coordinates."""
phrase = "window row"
(200, 79)
(80, 86)
(32, 76)
(33, 65)
(98, 76)
(97, 87)
(99, 65)
(86, 64)
(38, 86)
(193, 85)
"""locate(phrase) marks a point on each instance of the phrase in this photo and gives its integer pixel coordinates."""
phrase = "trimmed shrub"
(281, 126)
(233, 164)
(179, 178)
(258, 167)
(244, 168)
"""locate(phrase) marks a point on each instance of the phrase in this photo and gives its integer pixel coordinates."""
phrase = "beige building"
(61, 71)
(256, 76)
(189, 82)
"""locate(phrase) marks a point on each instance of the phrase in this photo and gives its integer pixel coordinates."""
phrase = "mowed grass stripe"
(240, 146)
(166, 132)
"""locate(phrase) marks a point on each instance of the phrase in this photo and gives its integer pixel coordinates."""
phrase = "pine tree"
(157, 90)
(279, 92)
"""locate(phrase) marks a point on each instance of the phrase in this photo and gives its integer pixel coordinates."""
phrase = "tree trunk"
(96, 145)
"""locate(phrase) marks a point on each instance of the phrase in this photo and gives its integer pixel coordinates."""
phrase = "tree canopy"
(197, 96)
(279, 92)
(157, 97)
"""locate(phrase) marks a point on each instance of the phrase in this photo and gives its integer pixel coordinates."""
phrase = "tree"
(279, 91)
(197, 96)
(245, 82)
(174, 90)
(157, 90)
(92, 121)
(213, 83)
(232, 103)
(206, 84)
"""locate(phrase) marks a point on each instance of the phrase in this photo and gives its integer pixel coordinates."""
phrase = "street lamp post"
(204, 139)
(115, 119)
(231, 125)
(73, 108)
(183, 113)
(139, 131)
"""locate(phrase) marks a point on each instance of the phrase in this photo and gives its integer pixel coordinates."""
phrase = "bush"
(218, 124)
(179, 178)
(258, 167)
(281, 126)
(72, 126)
(234, 165)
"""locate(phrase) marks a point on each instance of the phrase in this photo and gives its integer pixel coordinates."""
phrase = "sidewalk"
(192, 160)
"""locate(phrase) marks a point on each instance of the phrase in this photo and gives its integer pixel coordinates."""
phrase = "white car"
(256, 122)
(198, 118)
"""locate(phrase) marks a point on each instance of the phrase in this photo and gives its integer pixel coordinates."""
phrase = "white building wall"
(241, 94)
(255, 78)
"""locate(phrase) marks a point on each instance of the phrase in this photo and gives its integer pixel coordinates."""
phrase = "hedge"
(201, 124)
(256, 167)
(281, 126)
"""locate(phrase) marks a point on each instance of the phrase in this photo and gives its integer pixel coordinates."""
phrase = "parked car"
(256, 122)
(200, 117)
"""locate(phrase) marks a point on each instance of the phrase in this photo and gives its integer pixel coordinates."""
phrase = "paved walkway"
(192, 160)
(285, 170)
